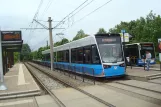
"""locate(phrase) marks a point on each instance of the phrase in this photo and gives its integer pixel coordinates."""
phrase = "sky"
(18, 14)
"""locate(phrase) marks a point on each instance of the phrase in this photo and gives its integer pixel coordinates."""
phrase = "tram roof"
(89, 40)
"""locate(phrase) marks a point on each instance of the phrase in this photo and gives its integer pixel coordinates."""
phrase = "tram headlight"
(122, 65)
(106, 66)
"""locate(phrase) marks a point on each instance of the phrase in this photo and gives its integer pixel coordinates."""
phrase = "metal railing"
(71, 69)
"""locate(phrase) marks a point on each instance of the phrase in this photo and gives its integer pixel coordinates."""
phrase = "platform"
(140, 74)
(19, 83)
(19, 102)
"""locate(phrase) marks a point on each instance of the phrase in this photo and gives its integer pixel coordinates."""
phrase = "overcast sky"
(16, 14)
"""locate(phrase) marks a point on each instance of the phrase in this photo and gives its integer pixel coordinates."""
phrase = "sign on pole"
(126, 36)
(123, 31)
(11, 35)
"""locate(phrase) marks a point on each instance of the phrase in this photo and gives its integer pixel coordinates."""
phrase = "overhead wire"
(62, 21)
(89, 14)
(72, 16)
(35, 17)
(81, 8)
(70, 13)
(47, 7)
(93, 11)
(78, 12)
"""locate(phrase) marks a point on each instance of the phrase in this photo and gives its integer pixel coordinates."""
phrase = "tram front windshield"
(147, 47)
(110, 49)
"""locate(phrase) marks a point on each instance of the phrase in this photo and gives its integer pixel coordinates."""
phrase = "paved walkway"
(116, 98)
(19, 102)
(141, 74)
(19, 80)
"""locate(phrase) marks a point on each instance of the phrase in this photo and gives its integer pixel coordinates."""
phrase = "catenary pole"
(51, 42)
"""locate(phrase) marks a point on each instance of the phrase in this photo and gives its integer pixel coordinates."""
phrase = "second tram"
(136, 53)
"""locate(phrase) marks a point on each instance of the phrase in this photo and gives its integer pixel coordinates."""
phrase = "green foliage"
(146, 29)
(80, 35)
(16, 57)
(63, 41)
(101, 31)
(25, 52)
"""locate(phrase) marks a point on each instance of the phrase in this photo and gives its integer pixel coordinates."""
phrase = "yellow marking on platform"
(21, 78)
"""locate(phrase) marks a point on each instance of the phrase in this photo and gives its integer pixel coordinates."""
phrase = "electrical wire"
(47, 7)
(35, 17)
(62, 21)
(88, 14)
(93, 11)
(70, 14)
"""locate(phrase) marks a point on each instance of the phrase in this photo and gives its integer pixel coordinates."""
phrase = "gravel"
(71, 80)
(48, 81)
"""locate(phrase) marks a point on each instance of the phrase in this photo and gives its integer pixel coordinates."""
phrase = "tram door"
(132, 52)
(87, 55)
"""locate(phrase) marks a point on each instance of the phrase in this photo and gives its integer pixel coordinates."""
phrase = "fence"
(71, 69)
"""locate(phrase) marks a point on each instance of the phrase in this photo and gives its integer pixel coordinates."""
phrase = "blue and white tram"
(101, 53)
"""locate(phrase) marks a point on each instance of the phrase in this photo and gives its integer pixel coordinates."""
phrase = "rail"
(60, 104)
(73, 86)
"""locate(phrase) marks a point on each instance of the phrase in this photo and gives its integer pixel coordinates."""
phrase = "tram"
(136, 51)
(102, 53)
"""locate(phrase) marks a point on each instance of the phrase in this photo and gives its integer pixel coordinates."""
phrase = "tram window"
(87, 55)
(54, 56)
(66, 56)
(80, 55)
(73, 55)
(60, 56)
(47, 56)
(95, 55)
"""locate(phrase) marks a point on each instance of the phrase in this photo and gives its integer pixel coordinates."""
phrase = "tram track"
(59, 103)
(74, 87)
(135, 91)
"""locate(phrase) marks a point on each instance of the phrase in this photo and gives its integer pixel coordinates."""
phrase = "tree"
(16, 56)
(25, 52)
(101, 31)
(80, 34)
(63, 41)
(146, 29)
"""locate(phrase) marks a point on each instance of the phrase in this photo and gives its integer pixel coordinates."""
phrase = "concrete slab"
(141, 74)
(19, 102)
(46, 101)
(83, 102)
(73, 98)
(135, 90)
(141, 84)
(12, 80)
(116, 98)
(156, 81)
(70, 92)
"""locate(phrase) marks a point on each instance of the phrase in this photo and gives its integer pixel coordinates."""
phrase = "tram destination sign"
(108, 40)
(11, 35)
